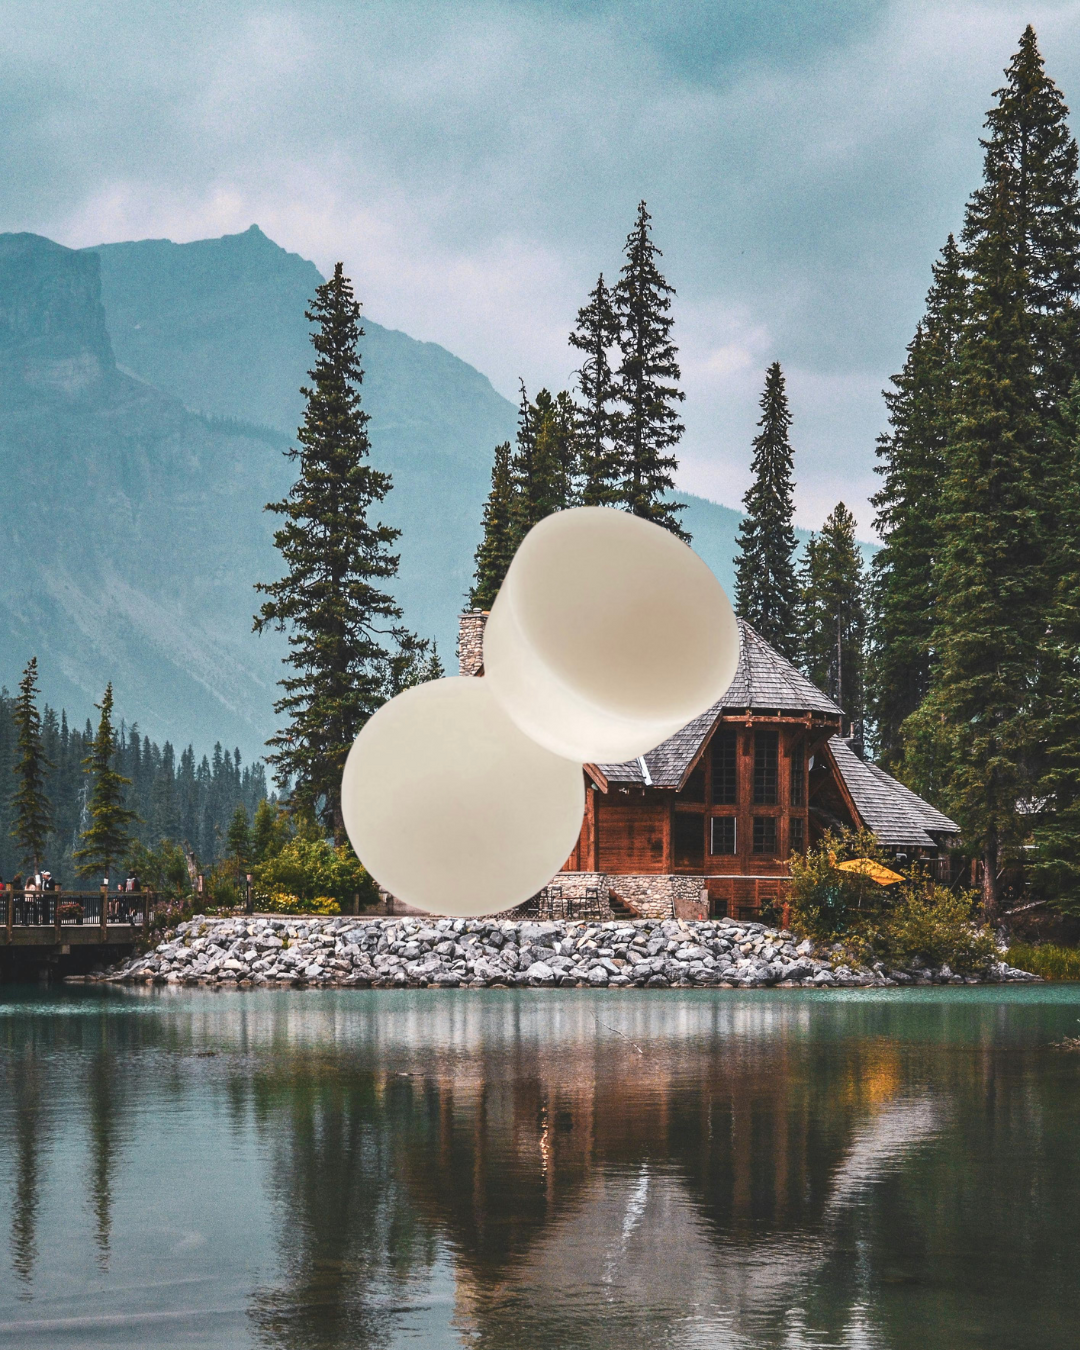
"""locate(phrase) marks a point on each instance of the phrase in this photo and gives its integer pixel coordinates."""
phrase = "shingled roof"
(898, 817)
(763, 679)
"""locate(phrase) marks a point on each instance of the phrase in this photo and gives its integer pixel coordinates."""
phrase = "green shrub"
(824, 902)
(162, 868)
(281, 902)
(1049, 961)
(308, 868)
(932, 924)
(224, 891)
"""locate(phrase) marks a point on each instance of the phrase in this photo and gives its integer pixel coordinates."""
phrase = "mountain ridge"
(149, 389)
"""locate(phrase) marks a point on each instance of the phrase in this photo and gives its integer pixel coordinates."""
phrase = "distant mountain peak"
(52, 322)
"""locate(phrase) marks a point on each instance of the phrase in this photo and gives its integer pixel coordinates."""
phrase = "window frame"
(724, 852)
(764, 852)
(766, 745)
(725, 738)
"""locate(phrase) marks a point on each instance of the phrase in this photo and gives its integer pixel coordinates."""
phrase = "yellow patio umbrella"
(866, 867)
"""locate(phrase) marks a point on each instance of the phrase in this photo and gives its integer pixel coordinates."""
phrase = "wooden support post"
(56, 911)
(10, 911)
(104, 910)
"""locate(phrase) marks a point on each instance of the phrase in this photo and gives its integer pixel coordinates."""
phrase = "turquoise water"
(566, 1168)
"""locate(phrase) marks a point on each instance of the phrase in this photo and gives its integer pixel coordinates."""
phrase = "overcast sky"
(476, 164)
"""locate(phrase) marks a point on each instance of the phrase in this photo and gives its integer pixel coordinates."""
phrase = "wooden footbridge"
(61, 920)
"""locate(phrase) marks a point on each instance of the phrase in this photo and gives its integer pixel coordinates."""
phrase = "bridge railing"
(59, 909)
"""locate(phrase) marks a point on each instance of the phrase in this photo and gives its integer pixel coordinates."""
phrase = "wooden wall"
(630, 830)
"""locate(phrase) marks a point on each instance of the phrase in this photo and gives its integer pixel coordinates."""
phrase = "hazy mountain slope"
(126, 557)
(135, 522)
(220, 324)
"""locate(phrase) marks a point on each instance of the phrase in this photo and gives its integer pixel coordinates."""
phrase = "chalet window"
(798, 775)
(689, 839)
(725, 777)
(722, 834)
(694, 791)
(764, 834)
(766, 748)
(798, 834)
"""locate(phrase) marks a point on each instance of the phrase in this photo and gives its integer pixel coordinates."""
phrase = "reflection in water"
(508, 1170)
(344, 1223)
(27, 1137)
(101, 1093)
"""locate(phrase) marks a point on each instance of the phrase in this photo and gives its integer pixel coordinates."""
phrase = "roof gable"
(896, 815)
(763, 679)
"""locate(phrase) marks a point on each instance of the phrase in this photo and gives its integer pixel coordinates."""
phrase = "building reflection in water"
(600, 1171)
(758, 1166)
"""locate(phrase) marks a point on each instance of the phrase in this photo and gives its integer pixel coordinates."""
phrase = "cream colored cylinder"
(608, 635)
(452, 808)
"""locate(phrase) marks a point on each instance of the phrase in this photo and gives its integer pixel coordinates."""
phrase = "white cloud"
(476, 165)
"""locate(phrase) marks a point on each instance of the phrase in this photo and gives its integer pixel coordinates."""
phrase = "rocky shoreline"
(398, 953)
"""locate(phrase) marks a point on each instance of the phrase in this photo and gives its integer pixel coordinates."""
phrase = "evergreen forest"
(173, 797)
(956, 654)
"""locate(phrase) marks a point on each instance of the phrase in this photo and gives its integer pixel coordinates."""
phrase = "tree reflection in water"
(742, 1170)
(101, 1092)
(346, 1231)
(28, 1139)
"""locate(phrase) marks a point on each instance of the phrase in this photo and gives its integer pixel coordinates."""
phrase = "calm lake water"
(512, 1169)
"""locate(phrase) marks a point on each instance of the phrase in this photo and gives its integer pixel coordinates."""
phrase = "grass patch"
(1047, 960)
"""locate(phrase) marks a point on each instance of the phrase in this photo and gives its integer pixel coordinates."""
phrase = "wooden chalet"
(706, 822)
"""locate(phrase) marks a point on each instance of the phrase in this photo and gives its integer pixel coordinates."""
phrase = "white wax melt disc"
(452, 808)
(608, 635)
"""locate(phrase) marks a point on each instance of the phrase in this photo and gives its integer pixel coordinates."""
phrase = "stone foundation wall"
(654, 895)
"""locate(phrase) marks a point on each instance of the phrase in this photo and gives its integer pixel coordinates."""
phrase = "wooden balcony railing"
(63, 910)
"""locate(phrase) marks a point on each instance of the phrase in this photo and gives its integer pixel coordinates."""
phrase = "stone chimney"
(470, 648)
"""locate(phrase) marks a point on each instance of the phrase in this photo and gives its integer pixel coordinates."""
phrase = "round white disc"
(607, 635)
(454, 810)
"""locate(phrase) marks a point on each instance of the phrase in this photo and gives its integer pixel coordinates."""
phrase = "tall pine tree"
(766, 589)
(330, 599)
(646, 425)
(1031, 157)
(32, 808)
(833, 623)
(596, 335)
(990, 610)
(107, 839)
(913, 454)
(1055, 866)
(496, 549)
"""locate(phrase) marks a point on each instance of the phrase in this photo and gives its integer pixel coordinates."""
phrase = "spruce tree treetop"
(543, 468)
(596, 334)
(32, 809)
(646, 424)
(107, 839)
(330, 601)
(766, 589)
(239, 837)
(1031, 153)
(496, 549)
